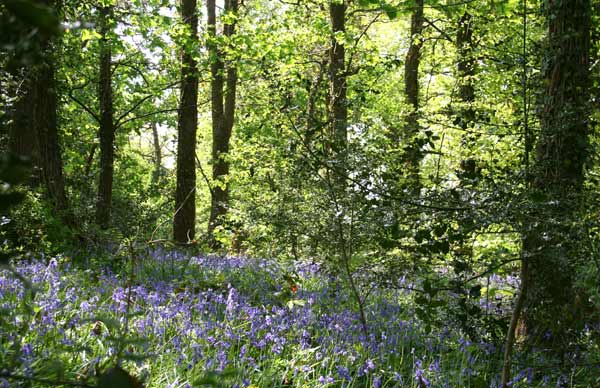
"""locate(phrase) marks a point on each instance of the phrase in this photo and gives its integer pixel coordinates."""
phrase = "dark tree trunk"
(21, 135)
(313, 122)
(34, 132)
(411, 91)
(45, 125)
(407, 164)
(107, 127)
(223, 113)
(90, 160)
(158, 169)
(466, 72)
(550, 242)
(184, 221)
(465, 119)
(338, 103)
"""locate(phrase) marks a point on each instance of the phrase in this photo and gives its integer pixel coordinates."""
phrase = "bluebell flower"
(344, 373)
(377, 382)
(419, 374)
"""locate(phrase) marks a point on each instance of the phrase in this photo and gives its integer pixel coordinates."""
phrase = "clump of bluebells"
(179, 321)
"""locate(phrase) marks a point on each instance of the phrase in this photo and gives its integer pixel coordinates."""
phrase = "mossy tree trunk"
(551, 239)
(338, 102)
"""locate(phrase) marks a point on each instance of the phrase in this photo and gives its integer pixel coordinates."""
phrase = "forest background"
(446, 141)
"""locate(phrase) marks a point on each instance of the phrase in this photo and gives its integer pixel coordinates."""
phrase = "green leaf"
(89, 35)
(14, 169)
(295, 302)
(137, 357)
(216, 379)
(440, 246)
(475, 291)
(118, 378)
(422, 235)
(35, 14)
(390, 11)
(9, 200)
(438, 303)
(427, 286)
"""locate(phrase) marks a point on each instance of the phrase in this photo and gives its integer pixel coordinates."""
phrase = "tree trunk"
(465, 119)
(223, 113)
(158, 169)
(512, 328)
(466, 72)
(21, 133)
(313, 124)
(45, 125)
(34, 131)
(184, 222)
(338, 103)
(558, 176)
(22, 137)
(107, 128)
(411, 91)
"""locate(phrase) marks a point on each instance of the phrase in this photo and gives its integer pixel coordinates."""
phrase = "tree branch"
(147, 115)
(85, 107)
(444, 35)
(119, 123)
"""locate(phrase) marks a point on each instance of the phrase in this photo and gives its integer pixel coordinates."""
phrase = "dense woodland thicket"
(422, 170)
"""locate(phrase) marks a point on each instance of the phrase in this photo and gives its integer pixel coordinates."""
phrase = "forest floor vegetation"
(175, 320)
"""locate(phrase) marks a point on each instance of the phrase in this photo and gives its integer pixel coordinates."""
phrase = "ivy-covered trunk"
(338, 102)
(223, 74)
(411, 91)
(465, 119)
(184, 221)
(466, 72)
(551, 240)
(107, 127)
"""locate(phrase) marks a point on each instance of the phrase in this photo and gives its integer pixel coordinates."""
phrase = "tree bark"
(45, 125)
(223, 113)
(313, 124)
(512, 328)
(558, 175)
(158, 169)
(411, 91)
(338, 102)
(466, 72)
(22, 137)
(21, 133)
(184, 221)
(107, 127)
(34, 131)
(465, 119)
